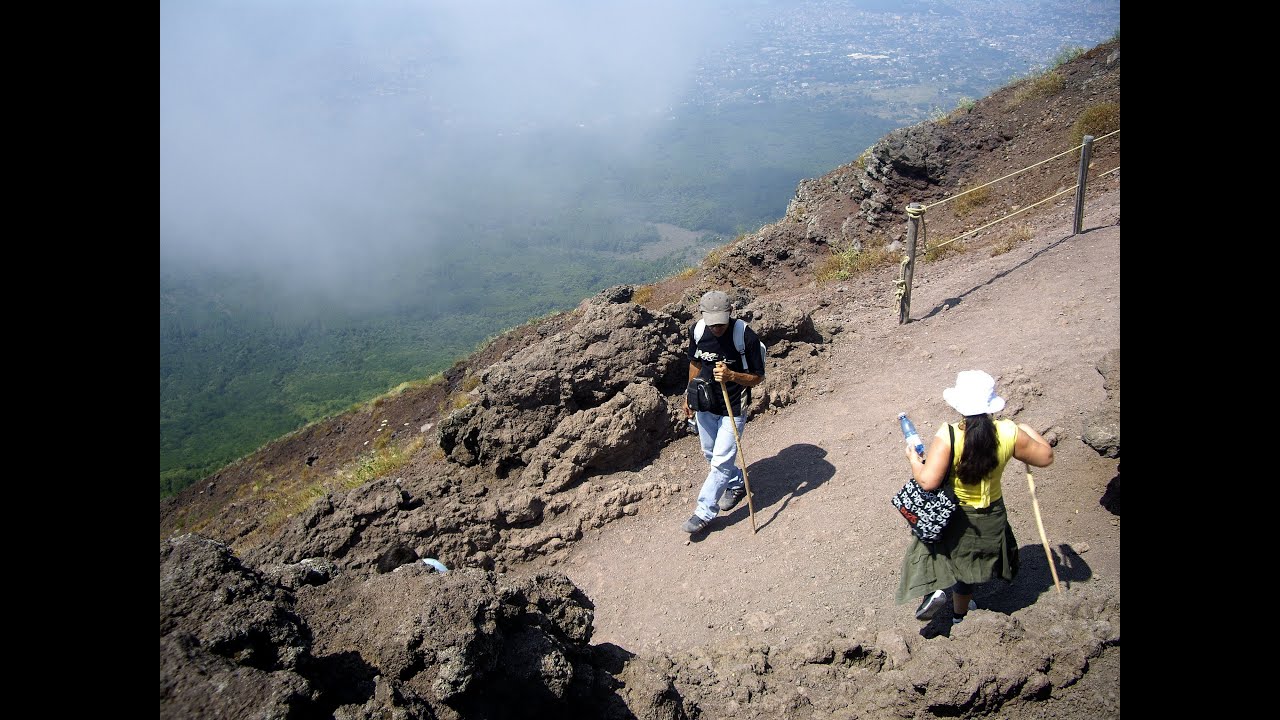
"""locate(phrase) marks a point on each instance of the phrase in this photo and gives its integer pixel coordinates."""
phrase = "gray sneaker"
(731, 497)
(694, 524)
(930, 605)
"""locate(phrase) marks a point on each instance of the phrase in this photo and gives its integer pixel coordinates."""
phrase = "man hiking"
(720, 352)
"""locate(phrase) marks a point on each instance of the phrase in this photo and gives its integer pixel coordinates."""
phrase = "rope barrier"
(916, 211)
(1016, 212)
(1015, 172)
(1006, 217)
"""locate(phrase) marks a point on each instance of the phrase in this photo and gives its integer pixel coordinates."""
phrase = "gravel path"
(828, 544)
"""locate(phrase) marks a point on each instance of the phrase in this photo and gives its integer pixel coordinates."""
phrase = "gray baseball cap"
(715, 308)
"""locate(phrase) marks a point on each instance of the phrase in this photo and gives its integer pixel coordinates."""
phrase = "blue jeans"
(721, 450)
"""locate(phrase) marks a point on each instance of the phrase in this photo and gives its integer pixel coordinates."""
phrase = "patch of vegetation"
(846, 262)
(1046, 84)
(1096, 120)
(642, 294)
(395, 392)
(715, 256)
(1010, 240)
(454, 402)
(289, 499)
(964, 205)
(861, 162)
(1066, 55)
(938, 252)
(963, 107)
(379, 463)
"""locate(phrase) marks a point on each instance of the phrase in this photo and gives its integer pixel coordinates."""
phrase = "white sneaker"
(930, 605)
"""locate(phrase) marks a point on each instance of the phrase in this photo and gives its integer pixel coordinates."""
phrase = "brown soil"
(825, 554)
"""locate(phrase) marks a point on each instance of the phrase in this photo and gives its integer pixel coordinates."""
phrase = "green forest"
(240, 365)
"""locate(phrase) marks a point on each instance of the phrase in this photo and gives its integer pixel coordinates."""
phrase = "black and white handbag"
(927, 513)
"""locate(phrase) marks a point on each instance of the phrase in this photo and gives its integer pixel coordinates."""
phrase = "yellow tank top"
(983, 493)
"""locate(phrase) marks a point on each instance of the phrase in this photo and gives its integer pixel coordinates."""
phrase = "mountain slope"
(564, 457)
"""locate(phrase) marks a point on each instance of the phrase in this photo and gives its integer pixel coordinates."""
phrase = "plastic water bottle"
(909, 432)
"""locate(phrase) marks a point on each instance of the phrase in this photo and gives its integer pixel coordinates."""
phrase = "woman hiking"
(978, 544)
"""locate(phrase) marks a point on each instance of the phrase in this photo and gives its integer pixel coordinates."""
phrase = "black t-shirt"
(724, 347)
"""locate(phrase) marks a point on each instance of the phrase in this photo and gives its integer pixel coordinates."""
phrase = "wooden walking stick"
(1035, 505)
(737, 440)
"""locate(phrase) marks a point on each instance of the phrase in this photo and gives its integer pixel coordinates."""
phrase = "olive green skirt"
(976, 546)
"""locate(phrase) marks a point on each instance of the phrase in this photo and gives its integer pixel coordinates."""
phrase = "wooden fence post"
(1081, 179)
(914, 212)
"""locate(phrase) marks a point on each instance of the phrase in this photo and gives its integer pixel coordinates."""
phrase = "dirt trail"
(828, 546)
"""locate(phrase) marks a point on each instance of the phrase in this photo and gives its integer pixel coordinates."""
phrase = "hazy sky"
(313, 136)
(317, 141)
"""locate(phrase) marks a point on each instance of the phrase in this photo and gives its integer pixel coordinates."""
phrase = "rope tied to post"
(900, 285)
(915, 211)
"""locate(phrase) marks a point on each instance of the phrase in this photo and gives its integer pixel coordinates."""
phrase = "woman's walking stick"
(737, 440)
(1035, 505)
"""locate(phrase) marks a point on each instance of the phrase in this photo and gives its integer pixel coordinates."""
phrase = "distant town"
(897, 59)
(832, 51)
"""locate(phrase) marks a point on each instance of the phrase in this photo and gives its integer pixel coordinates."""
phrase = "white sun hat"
(974, 394)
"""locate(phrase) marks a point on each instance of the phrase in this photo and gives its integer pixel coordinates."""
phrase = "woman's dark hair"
(979, 457)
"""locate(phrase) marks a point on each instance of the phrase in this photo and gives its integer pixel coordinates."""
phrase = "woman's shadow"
(1034, 578)
(776, 480)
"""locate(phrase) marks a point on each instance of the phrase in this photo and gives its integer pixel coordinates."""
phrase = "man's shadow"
(776, 480)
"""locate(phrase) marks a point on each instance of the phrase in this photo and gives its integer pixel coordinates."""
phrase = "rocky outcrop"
(414, 643)
(989, 664)
(405, 643)
(629, 427)
(1102, 428)
(458, 641)
(231, 644)
(860, 204)
(522, 401)
(603, 393)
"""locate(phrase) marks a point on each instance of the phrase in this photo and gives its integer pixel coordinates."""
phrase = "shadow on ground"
(1111, 498)
(1033, 580)
(794, 471)
(951, 302)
